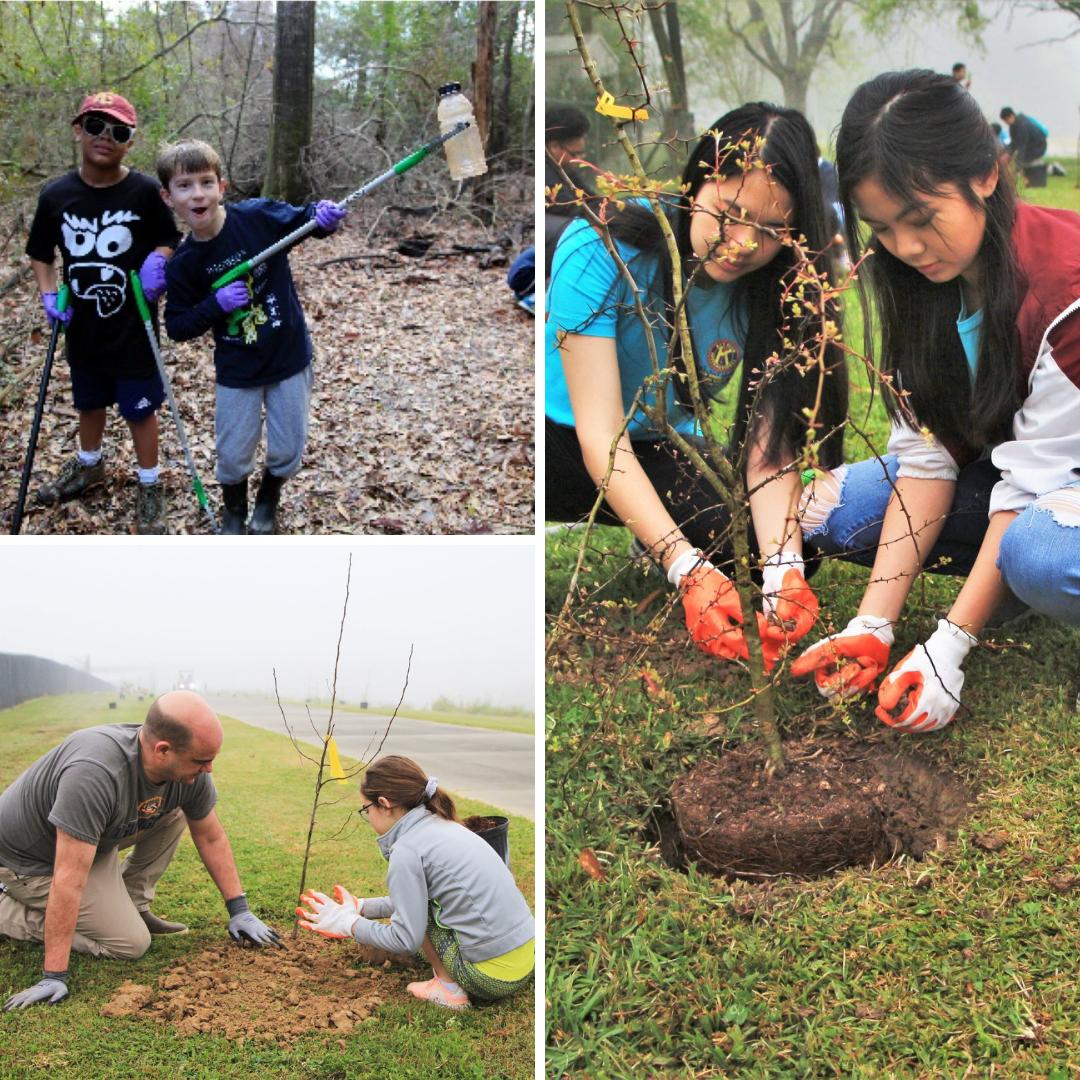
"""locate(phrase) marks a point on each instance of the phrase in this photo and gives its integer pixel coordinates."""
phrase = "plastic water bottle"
(464, 152)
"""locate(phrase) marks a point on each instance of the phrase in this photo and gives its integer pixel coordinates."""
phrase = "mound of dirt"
(481, 824)
(841, 803)
(272, 995)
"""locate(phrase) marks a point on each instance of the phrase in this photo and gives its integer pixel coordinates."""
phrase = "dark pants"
(690, 499)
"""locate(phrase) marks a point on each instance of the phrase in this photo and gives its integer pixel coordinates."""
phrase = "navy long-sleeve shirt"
(271, 343)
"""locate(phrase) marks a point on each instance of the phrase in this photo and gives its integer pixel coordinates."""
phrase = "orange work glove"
(789, 605)
(845, 664)
(930, 675)
(713, 613)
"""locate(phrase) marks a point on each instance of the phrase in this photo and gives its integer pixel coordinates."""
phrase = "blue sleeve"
(188, 313)
(581, 295)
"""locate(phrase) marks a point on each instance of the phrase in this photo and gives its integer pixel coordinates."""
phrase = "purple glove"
(48, 300)
(328, 215)
(232, 296)
(152, 276)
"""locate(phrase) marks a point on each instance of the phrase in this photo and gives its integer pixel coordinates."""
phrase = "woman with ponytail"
(978, 299)
(452, 901)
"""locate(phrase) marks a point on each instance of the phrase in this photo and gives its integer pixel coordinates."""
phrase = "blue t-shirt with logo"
(587, 295)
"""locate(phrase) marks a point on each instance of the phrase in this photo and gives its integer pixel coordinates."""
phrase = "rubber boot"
(234, 520)
(264, 517)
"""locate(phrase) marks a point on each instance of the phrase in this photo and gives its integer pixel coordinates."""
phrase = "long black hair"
(914, 132)
(782, 140)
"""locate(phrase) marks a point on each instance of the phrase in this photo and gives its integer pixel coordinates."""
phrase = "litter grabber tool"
(144, 312)
(62, 298)
(286, 242)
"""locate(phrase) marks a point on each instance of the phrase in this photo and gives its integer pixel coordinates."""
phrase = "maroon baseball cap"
(119, 108)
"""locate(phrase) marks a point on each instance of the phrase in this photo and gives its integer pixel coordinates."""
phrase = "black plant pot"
(498, 836)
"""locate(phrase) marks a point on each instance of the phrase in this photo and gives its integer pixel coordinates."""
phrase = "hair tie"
(429, 788)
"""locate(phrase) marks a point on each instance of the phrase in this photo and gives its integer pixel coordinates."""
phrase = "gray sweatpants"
(238, 423)
(109, 922)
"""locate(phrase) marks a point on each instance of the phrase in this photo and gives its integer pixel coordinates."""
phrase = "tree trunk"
(497, 144)
(291, 110)
(483, 69)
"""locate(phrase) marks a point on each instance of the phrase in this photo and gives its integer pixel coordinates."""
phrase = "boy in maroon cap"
(107, 220)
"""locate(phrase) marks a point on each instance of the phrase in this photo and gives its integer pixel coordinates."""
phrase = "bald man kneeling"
(62, 821)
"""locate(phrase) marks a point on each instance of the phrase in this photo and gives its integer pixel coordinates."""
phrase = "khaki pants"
(109, 922)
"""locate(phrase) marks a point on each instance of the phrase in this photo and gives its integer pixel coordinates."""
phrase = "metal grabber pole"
(310, 226)
(144, 311)
(62, 298)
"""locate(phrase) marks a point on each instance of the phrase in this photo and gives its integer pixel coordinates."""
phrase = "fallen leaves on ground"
(422, 416)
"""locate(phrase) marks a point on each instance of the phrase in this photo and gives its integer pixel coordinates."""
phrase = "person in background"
(565, 129)
(960, 75)
(1027, 137)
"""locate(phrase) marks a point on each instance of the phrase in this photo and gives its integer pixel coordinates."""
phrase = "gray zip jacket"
(442, 865)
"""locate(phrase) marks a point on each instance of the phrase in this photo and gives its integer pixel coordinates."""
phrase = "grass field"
(524, 724)
(265, 799)
(963, 965)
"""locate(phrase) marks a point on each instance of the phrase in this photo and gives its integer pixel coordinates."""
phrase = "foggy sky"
(1028, 62)
(233, 613)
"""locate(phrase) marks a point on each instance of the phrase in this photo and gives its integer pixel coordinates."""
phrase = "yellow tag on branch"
(336, 771)
(605, 104)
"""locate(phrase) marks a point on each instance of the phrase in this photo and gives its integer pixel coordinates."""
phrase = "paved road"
(497, 767)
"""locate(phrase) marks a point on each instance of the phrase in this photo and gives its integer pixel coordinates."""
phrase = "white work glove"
(51, 991)
(787, 601)
(931, 678)
(326, 917)
(845, 664)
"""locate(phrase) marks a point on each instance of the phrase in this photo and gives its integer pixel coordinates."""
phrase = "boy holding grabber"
(107, 220)
(262, 350)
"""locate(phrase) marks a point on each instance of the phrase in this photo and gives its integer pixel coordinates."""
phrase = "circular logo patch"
(150, 807)
(723, 357)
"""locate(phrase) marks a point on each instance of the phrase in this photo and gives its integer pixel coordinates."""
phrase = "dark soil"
(272, 995)
(482, 824)
(841, 803)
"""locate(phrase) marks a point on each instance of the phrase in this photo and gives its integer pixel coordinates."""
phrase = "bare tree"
(487, 16)
(291, 111)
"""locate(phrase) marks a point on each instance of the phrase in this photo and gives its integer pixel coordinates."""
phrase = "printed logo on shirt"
(150, 807)
(102, 282)
(723, 357)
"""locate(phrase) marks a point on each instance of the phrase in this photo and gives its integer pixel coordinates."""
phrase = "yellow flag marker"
(336, 771)
(605, 104)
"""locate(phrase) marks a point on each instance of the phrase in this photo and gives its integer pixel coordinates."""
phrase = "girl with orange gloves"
(978, 297)
(453, 900)
(749, 184)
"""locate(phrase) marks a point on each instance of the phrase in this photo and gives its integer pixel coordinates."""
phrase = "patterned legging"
(467, 975)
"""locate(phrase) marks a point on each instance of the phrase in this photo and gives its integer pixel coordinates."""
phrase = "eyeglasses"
(95, 126)
(365, 808)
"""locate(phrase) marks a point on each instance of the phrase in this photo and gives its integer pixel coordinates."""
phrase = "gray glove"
(52, 990)
(244, 926)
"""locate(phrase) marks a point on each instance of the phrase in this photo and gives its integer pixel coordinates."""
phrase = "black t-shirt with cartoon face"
(103, 234)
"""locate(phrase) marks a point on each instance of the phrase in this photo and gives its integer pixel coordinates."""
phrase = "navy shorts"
(135, 398)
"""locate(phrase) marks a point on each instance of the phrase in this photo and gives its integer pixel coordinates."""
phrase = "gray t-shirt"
(92, 786)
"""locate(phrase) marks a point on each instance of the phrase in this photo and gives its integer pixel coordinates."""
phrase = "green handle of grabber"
(232, 275)
(140, 297)
(62, 298)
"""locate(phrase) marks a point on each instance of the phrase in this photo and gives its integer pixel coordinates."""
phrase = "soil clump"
(841, 803)
(270, 995)
(481, 824)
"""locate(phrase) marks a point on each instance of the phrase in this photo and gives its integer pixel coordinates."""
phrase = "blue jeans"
(1039, 558)
(849, 526)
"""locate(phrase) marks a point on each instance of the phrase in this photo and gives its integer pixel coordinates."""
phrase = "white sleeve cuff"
(920, 456)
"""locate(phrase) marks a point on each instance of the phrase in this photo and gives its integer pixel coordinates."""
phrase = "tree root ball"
(840, 803)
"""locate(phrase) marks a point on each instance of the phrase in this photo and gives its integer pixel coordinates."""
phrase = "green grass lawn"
(963, 965)
(265, 800)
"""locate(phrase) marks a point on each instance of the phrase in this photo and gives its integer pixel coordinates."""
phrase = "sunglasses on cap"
(95, 126)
